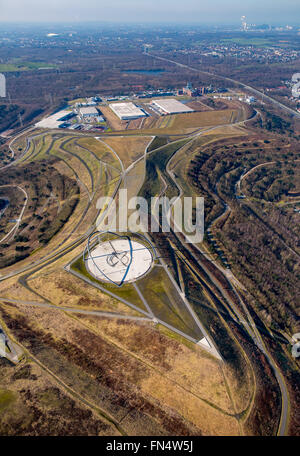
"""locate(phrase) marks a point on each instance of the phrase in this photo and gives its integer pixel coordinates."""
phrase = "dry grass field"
(33, 403)
(63, 289)
(176, 123)
(90, 359)
(169, 384)
(130, 148)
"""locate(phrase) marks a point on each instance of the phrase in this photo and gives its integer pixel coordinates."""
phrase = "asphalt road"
(241, 84)
(250, 328)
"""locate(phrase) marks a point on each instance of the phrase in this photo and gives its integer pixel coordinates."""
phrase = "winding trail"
(225, 78)
(12, 232)
(249, 325)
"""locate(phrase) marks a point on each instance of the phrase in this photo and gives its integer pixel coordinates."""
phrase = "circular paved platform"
(109, 260)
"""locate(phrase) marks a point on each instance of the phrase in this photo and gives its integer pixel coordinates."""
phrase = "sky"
(193, 11)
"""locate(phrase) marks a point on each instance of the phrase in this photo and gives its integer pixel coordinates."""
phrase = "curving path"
(14, 229)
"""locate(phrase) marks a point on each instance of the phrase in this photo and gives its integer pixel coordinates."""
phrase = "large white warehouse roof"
(52, 121)
(126, 111)
(172, 106)
(88, 111)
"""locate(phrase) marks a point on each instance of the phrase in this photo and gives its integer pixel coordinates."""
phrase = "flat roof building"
(54, 120)
(171, 106)
(127, 111)
(88, 111)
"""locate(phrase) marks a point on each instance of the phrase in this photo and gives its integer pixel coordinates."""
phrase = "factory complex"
(88, 111)
(137, 111)
(170, 106)
(127, 111)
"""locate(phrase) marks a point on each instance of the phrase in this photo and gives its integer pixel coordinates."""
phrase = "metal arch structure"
(87, 254)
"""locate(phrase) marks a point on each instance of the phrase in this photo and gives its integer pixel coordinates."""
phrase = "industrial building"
(88, 111)
(127, 111)
(188, 90)
(55, 120)
(171, 106)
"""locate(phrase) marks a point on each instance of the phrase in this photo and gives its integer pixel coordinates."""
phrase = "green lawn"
(25, 66)
(127, 291)
(166, 303)
(6, 398)
(263, 42)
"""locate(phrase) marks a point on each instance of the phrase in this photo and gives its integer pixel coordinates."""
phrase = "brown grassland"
(118, 374)
(109, 347)
(130, 148)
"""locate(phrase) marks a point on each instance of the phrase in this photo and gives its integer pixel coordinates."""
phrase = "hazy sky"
(201, 11)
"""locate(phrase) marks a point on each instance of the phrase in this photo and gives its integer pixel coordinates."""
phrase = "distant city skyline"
(190, 11)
